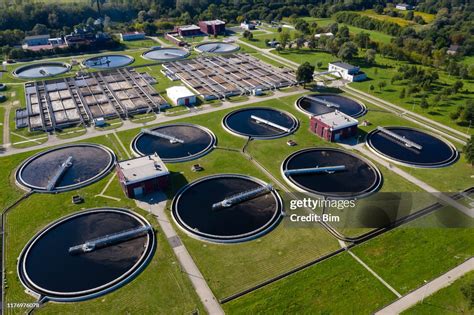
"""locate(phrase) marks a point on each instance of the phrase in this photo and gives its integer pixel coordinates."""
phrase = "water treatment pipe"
(327, 103)
(241, 197)
(109, 240)
(311, 170)
(260, 120)
(162, 135)
(407, 142)
(59, 173)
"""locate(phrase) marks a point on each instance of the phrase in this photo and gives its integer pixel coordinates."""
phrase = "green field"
(335, 286)
(447, 300)
(421, 250)
(374, 35)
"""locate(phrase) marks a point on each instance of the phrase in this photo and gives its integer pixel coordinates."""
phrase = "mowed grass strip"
(449, 300)
(420, 251)
(338, 285)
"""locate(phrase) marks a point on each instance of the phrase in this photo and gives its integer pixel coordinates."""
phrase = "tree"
(424, 104)
(457, 86)
(247, 35)
(381, 85)
(371, 87)
(469, 153)
(467, 115)
(305, 73)
(319, 64)
(40, 29)
(284, 38)
(370, 56)
(98, 3)
(348, 51)
(402, 93)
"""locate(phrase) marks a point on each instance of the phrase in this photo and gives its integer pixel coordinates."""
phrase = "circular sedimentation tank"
(48, 268)
(318, 104)
(348, 175)
(81, 165)
(165, 54)
(181, 142)
(108, 61)
(260, 123)
(194, 209)
(217, 48)
(41, 70)
(411, 147)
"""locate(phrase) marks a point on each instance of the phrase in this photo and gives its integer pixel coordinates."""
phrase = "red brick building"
(214, 27)
(143, 175)
(334, 126)
(187, 30)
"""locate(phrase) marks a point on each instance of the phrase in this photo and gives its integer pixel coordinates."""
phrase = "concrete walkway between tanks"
(155, 204)
(428, 289)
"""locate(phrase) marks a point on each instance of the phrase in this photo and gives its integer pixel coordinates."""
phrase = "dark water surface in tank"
(358, 178)
(240, 122)
(50, 266)
(312, 106)
(194, 208)
(434, 151)
(87, 162)
(197, 141)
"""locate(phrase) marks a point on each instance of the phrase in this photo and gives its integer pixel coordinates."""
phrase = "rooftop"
(188, 27)
(36, 37)
(143, 168)
(179, 91)
(343, 65)
(337, 120)
(214, 22)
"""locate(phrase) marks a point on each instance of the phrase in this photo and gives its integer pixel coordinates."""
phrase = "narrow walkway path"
(388, 286)
(429, 288)
(155, 203)
(161, 118)
(6, 126)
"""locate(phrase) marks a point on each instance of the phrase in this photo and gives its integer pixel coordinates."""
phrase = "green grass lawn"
(160, 288)
(338, 285)
(2, 115)
(386, 68)
(421, 250)
(307, 55)
(374, 35)
(449, 300)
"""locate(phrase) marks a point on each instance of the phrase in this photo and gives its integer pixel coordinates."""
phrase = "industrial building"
(214, 27)
(248, 26)
(334, 126)
(181, 95)
(37, 40)
(132, 36)
(143, 175)
(346, 71)
(404, 7)
(187, 30)
(64, 102)
(221, 76)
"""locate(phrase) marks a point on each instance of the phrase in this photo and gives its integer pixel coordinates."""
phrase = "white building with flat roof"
(181, 95)
(346, 71)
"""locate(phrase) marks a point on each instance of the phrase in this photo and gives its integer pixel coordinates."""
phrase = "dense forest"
(454, 22)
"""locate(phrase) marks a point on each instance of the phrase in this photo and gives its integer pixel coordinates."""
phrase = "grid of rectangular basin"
(59, 103)
(228, 75)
